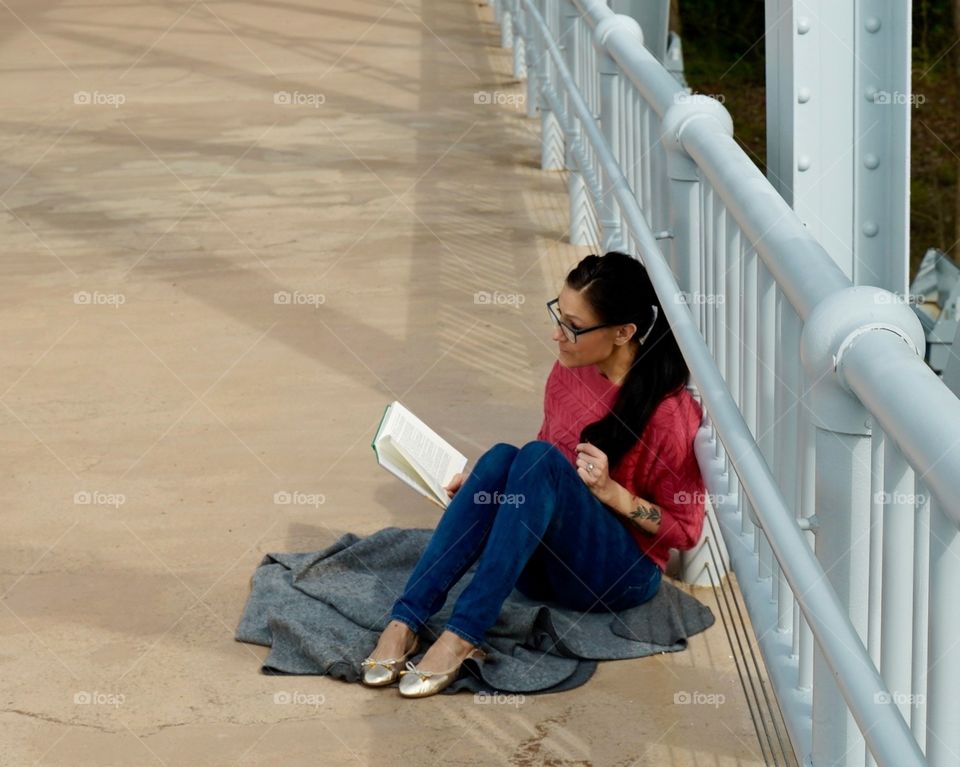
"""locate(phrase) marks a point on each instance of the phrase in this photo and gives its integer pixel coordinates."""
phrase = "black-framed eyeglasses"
(572, 333)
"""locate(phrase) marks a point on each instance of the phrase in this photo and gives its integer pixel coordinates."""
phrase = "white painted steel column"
(838, 130)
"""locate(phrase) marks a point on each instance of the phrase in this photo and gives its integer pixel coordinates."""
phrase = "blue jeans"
(534, 525)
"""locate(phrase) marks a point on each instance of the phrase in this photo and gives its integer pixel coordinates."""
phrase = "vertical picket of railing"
(748, 366)
(714, 300)
(732, 319)
(630, 146)
(731, 369)
(611, 221)
(505, 17)
(806, 520)
(699, 308)
(579, 202)
(589, 70)
(786, 405)
(899, 514)
(921, 595)
(519, 47)
(624, 149)
(552, 138)
(875, 586)
(714, 294)
(524, 59)
(764, 350)
(662, 197)
(643, 121)
(875, 581)
(943, 654)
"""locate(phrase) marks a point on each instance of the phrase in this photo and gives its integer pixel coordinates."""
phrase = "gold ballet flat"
(378, 673)
(415, 683)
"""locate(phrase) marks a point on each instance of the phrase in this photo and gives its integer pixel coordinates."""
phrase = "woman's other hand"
(455, 484)
(596, 478)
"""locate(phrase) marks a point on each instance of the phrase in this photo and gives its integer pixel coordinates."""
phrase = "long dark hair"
(618, 289)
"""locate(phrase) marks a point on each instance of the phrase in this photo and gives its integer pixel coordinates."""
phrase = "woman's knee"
(502, 452)
(496, 461)
(541, 452)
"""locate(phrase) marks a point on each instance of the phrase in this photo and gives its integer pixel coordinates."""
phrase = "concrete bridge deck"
(167, 170)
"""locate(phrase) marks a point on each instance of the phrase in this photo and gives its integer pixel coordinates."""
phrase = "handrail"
(882, 726)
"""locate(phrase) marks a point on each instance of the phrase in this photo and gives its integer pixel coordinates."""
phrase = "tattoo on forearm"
(644, 511)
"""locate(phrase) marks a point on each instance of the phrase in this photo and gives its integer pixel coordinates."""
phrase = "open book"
(408, 448)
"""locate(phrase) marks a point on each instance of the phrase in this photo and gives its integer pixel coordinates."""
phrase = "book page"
(423, 447)
(393, 461)
(412, 451)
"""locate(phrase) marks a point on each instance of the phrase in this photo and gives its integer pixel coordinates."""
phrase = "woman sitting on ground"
(585, 515)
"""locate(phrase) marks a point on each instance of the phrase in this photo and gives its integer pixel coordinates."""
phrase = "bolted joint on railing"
(831, 331)
(619, 24)
(687, 107)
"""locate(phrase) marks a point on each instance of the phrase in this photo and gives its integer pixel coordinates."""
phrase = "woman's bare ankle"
(394, 641)
(457, 642)
(448, 651)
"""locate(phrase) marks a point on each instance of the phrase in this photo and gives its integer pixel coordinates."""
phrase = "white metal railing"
(832, 453)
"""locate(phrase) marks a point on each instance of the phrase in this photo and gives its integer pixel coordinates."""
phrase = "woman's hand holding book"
(456, 483)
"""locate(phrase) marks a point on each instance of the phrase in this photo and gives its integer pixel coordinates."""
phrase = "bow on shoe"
(412, 669)
(368, 663)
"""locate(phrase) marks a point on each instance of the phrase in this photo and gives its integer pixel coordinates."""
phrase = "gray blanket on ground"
(321, 612)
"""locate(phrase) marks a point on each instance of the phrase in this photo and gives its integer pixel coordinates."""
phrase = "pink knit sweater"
(661, 467)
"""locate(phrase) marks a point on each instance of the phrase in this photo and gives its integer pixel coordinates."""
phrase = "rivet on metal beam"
(870, 228)
(803, 25)
(803, 162)
(803, 95)
(871, 161)
(872, 24)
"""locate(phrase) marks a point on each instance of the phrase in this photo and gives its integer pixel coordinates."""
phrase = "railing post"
(579, 195)
(551, 140)
(532, 53)
(684, 184)
(610, 117)
(506, 23)
(551, 132)
(685, 244)
(843, 485)
(519, 55)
